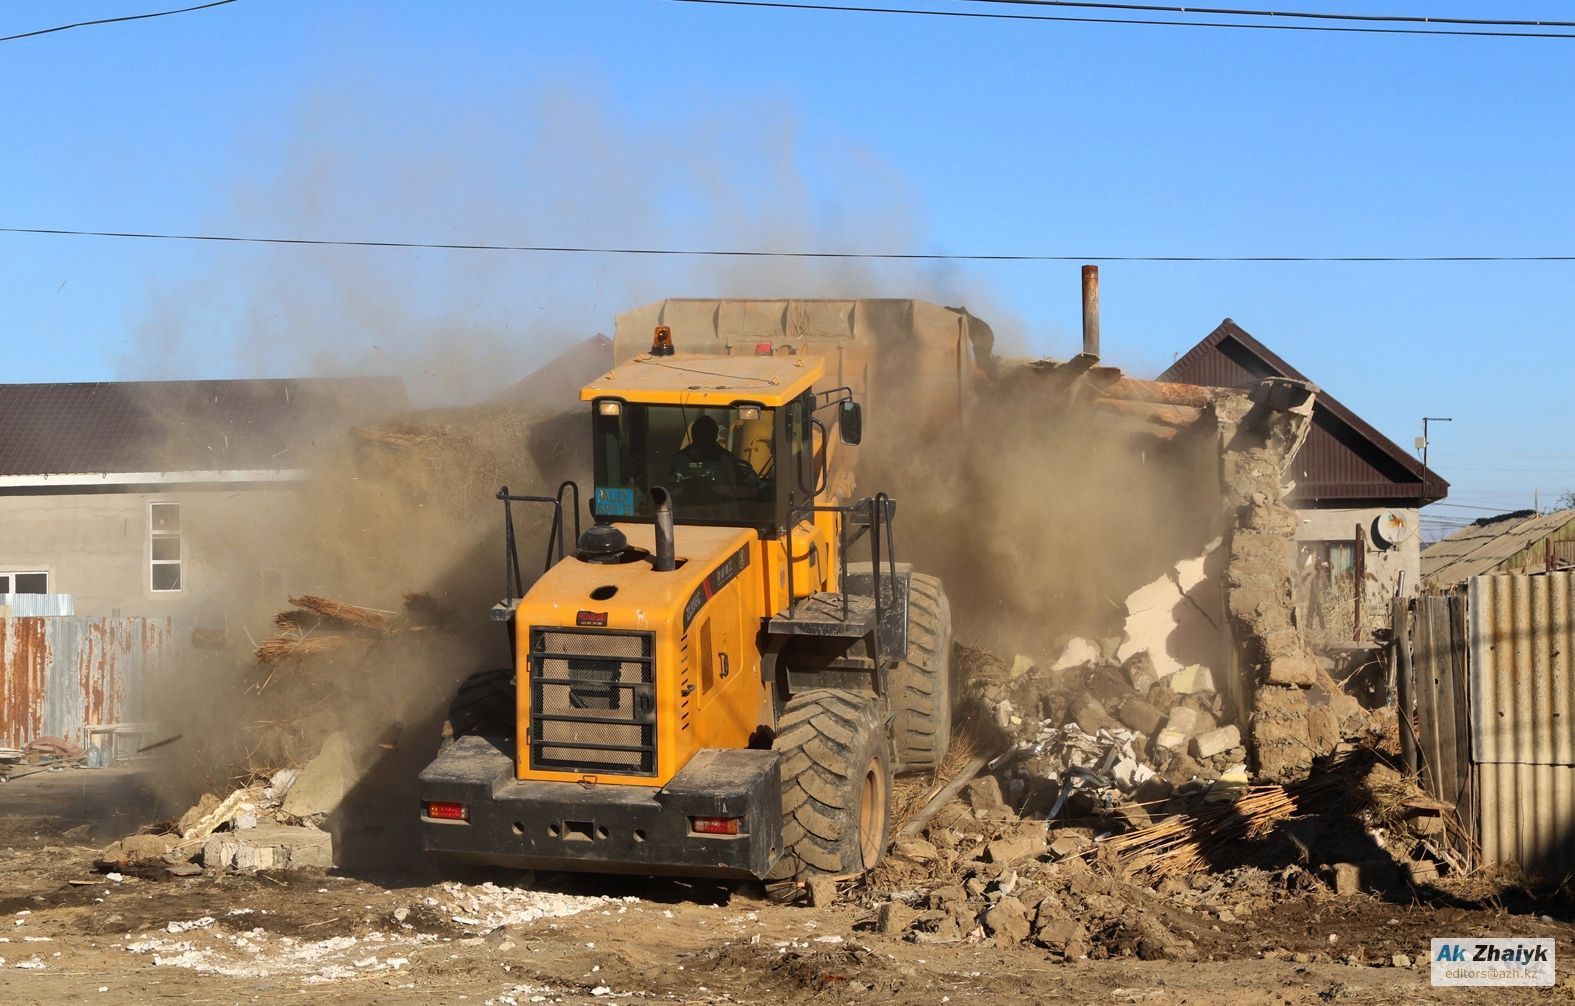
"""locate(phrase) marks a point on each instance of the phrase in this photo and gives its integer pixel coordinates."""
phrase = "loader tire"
(921, 694)
(836, 784)
(483, 707)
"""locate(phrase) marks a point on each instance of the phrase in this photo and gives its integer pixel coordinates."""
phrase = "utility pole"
(1422, 441)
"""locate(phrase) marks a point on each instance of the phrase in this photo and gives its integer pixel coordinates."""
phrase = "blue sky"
(656, 123)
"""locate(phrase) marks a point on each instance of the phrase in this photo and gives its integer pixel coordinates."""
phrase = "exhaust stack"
(1091, 311)
(666, 556)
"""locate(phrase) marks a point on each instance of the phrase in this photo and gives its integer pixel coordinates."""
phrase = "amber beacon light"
(662, 342)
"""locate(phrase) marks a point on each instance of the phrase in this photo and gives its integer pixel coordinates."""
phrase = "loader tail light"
(762, 349)
(445, 810)
(715, 825)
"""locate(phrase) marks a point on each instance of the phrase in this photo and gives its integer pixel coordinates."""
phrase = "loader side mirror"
(850, 423)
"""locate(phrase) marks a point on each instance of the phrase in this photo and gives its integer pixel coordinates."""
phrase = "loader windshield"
(719, 463)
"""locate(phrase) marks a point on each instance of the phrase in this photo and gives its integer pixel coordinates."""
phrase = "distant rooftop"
(180, 426)
(1489, 545)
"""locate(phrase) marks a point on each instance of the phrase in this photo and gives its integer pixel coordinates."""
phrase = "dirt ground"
(71, 934)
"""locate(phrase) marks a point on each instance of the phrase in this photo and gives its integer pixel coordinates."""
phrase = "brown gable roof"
(1345, 460)
(174, 426)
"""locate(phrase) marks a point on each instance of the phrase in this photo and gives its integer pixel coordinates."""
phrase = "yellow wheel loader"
(724, 672)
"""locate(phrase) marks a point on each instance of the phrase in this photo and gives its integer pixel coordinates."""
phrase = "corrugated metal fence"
(1522, 734)
(60, 675)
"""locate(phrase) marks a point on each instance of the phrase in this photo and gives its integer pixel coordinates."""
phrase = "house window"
(24, 583)
(1328, 589)
(164, 546)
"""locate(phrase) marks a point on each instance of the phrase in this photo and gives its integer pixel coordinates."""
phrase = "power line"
(1517, 457)
(766, 253)
(1467, 506)
(1063, 18)
(1496, 468)
(1305, 15)
(114, 20)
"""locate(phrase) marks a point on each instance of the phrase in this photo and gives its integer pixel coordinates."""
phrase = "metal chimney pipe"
(666, 559)
(1091, 311)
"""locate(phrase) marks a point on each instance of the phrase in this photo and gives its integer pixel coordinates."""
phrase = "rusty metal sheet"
(60, 675)
(24, 657)
(1522, 702)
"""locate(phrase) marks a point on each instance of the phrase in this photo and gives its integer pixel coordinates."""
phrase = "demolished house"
(1356, 495)
(1124, 552)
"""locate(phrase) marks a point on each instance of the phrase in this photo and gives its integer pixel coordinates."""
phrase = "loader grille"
(592, 701)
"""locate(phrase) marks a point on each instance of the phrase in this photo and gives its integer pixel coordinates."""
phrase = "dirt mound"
(820, 966)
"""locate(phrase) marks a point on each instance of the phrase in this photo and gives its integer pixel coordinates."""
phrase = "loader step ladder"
(822, 615)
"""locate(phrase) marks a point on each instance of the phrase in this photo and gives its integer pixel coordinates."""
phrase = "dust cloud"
(1042, 513)
(558, 166)
(1038, 518)
(404, 504)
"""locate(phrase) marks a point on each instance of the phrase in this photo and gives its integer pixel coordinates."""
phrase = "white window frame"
(12, 574)
(155, 535)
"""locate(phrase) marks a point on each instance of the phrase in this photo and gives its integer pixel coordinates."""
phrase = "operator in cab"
(706, 474)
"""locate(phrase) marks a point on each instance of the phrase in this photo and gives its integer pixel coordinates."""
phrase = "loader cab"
(732, 438)
(733, 464)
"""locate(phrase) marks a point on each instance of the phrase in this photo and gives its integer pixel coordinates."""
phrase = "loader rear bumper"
(605, 829)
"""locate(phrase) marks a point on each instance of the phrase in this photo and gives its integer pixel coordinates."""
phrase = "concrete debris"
(1077, 653)
(822, 891)
(1070, 843)
(1108, 686)
(1069, 908)
(1187, 722)
(917, 849)
(1007, 921)
(1089, 714)
(1426, 825)
(984, 794)
(1214, 742)
(256, 827)
(324, 781)
(1192, 680)
(1422, 871)
(1087, 736)
(1138, 715)
(1170, 739)
(188, 821)
(894, 917)
(1141, 672)
(1027, 842)
(279, 784)
(269, 847)
(223, 813)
